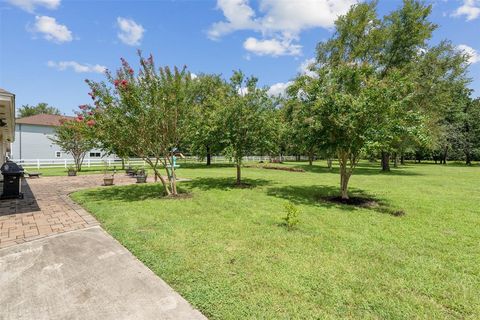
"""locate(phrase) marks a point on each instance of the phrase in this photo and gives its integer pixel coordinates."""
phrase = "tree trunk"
(329, 163)
(468, 158)
(209, 156)
(344, 178)
(385, 161)
(157, 174)
(123, 164)
(310, 158)
(239, 174)
(444, 156)
(402, 159)
(78, 162)
(395, 160)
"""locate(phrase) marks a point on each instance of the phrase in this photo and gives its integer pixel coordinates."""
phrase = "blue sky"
(48, 47)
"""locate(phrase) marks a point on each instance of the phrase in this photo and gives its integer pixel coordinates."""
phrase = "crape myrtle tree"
(303, 127)
(205, 132)
(144, 114)
(401, 40)
(351, 101)
(108, 139)
(75, 138)
(248, 120)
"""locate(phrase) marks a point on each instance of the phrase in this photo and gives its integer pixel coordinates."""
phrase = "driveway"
(74, 270)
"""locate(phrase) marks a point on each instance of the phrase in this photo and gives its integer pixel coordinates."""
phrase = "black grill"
(12, 176)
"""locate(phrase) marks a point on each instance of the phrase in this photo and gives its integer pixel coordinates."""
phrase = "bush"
(292, 217)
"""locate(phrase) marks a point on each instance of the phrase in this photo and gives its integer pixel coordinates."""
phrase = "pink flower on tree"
(83, 107)
(80, 118)
(91, 123)
(130, 71)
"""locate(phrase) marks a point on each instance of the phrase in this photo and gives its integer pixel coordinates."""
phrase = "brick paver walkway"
(47, 209)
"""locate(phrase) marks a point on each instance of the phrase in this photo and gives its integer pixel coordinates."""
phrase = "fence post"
(88, 163)
(109, 162)
(38, 163)
(65, 163)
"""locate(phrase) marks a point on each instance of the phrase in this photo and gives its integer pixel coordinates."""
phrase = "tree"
(41, 108)
(353, 101)
(209, 93)
(303, 131)
(145, 115)
(443, 95)
(403, 39)
(247, 120)
(472, 130)
(73, 137)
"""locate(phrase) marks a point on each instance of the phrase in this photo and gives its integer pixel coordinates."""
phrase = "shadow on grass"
(135, 192)
(361, 169)
(320, 195)
(204, 166)
(227, 183)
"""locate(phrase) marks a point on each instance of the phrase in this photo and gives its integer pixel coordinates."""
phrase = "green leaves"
(248, 119)
(144, 115)
(40, 108)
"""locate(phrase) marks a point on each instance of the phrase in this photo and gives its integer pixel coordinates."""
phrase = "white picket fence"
(65, 163)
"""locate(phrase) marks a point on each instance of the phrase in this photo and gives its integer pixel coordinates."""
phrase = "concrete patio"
(58, 263)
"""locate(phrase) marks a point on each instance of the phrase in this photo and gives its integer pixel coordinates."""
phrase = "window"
(95, 155)
(58, 154)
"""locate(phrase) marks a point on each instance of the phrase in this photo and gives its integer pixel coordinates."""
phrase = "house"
(7, 123)
(33, 139)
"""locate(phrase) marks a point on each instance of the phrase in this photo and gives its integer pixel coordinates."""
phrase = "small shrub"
(292, 217)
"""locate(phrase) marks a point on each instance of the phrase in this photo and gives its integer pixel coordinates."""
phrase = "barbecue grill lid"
(11, 167)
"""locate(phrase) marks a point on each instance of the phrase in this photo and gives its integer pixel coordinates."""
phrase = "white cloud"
(77, 67)
(295, 16)
(30, 5)
(130, 32)
(52, 30)
(470, 9)
(279, 89)
(242, 91)
(473, 54)
(272, 47)
(238, 14)
(279, 21)
(305, 66)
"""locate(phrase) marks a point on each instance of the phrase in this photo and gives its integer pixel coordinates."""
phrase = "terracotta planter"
(108, 181)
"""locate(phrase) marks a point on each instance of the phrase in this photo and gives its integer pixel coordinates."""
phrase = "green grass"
(225, 249)
(54, 172)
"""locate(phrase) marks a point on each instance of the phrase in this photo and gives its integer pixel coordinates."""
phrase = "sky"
(49, 47)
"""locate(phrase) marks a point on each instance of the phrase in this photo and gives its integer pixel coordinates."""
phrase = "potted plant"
(141, 176)
(72, 171)
(129, 170)
(108, 176)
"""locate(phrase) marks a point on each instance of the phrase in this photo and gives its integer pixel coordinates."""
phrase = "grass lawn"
(53, 172)
(224, 250)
